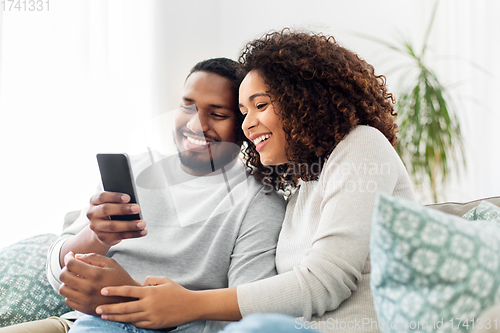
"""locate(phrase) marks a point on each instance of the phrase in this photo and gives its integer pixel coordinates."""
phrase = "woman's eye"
(260, 106)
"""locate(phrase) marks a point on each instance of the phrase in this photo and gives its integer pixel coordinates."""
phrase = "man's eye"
(219, 116)
(189, 108)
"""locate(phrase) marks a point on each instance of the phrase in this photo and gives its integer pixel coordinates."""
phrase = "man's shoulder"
(262, 191)
(144, 159)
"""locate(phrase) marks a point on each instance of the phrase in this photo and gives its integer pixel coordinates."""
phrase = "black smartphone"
(117, 176)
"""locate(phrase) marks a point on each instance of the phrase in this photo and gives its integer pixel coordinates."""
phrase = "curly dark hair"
(323, 90)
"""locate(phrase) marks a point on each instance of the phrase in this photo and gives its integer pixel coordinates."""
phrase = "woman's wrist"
(216, 304)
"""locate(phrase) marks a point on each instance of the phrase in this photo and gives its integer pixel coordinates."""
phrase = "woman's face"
(262, 125)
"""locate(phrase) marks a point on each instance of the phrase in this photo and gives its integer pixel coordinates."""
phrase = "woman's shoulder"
(365, 134)
(363, 139)
(363, 145)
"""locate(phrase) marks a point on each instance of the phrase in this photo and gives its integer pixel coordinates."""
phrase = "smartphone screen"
(116, 176)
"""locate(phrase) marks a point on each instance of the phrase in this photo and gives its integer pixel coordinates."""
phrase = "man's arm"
(254, 252)
(102, 232)
(95, 233)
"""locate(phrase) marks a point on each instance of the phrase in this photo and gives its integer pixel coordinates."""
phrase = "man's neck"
(200, 173)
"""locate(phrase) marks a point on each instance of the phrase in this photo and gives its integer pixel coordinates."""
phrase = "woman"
(320, 126)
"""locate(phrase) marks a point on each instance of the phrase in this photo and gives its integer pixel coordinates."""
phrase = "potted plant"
(430, 137)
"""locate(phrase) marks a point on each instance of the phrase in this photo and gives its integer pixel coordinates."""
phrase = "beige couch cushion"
(70, 217)
(460, 209)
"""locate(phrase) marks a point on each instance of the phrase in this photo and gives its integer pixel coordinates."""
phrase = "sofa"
(26, 295)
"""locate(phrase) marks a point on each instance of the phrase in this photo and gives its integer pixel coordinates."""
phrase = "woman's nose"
(249, 122)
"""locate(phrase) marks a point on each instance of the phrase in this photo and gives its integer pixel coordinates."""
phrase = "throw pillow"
(432, 271)
(483, 211)
(25, 293)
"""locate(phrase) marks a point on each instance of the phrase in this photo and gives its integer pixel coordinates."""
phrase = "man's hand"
(83, 278)
(111, 232)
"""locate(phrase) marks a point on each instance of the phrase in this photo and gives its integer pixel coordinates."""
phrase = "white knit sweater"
(322, 255)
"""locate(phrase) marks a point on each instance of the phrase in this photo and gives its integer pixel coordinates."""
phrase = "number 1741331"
(25, 5)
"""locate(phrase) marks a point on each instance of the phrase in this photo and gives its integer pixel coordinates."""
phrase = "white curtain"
(75, 81)
(482, 113)
(465, 49)
(1, 49)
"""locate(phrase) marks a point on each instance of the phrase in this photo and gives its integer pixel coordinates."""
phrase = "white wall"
(74, 77)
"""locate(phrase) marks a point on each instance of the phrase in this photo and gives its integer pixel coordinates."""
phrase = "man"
(206, 224)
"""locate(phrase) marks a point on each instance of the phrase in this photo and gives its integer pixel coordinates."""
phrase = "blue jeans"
(267, 323)
(90, 324)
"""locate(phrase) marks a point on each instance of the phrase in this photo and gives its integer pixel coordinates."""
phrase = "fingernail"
(141, 225)
(124, 198)
(98, 311)
(104, 317)
(104, 292)
(144, 232)
(135, 209)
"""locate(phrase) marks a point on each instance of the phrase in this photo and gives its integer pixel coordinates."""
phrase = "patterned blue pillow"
(25, 293)
(483, 211)
(430, 270)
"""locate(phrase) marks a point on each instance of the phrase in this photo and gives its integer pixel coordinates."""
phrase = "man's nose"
(198, 123)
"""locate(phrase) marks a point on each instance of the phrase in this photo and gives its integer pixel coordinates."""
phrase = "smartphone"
(117, 176)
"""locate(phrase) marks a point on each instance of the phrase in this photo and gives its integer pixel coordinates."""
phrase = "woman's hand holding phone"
(110, 232)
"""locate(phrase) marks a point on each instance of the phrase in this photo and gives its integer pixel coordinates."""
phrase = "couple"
(318, 125)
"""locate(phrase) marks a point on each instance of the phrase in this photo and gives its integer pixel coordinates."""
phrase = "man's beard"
(217, 156)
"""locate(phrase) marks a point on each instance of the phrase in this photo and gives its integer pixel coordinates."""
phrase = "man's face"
(205, 125)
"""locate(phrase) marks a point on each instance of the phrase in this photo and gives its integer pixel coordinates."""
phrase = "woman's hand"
(161, 303)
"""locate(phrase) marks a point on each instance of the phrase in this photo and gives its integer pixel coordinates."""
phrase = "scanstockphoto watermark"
(352, 177)
(372, 324)
(25, 5)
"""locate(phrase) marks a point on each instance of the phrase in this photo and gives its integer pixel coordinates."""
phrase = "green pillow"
(483, 211)
(429, 269)
(25, 293)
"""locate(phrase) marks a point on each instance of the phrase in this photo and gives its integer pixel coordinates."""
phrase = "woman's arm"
(163, 303)
(324, 246)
